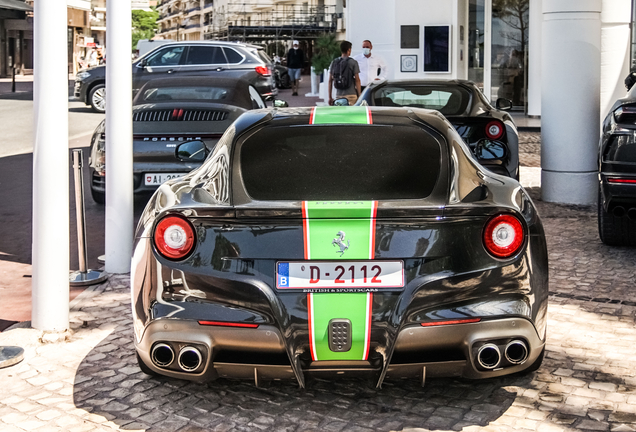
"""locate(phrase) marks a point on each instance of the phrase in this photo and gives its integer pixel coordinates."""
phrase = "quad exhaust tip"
(489, 356)
(516, 352)
(189, 359)
(162, 355)
(619, 211)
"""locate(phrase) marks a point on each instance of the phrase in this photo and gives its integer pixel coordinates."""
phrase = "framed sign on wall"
(408, 63)
(437, 48)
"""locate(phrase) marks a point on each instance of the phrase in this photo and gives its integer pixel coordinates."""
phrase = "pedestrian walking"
(372, 67)
(295, 62)
(344, 75)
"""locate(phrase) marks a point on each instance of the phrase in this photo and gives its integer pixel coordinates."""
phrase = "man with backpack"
(344, 75)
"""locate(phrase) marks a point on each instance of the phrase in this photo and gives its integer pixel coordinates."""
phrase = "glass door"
(510, 22)
(476, 32)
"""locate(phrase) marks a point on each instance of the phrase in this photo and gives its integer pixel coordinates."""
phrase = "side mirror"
(341, 102)
(142, 63)
(490, 150)
(279, 103)
(192, 151)
(503, 104)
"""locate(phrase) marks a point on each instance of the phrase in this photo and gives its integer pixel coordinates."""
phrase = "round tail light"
(494, 130)
(503, 236)
(174, 237)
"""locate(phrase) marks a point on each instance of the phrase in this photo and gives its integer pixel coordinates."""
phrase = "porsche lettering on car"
(340, 241)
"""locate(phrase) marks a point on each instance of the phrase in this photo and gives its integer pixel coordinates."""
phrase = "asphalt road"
(16, 180)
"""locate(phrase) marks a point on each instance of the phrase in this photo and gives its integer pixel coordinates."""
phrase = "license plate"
(156, 178)
(344, 275)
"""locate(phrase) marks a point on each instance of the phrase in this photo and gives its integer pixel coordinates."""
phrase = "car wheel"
(145, 369)
(98, 196)
(97, 98)
(285, 81)
(615, 230)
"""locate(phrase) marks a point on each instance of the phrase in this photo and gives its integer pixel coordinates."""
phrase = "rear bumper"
(266, 342)
(617, 194)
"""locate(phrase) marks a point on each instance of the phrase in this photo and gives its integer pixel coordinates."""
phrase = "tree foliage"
(326, 49)
(144, 24)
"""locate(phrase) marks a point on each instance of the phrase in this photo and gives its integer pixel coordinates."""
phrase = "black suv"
(225, 59)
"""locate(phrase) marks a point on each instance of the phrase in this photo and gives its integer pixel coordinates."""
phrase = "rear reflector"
(227, 324)
(441, 323)
(621, 180)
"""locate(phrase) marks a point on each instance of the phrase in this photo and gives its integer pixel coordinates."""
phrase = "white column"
(615, 41)
(534, 58)
(488, 49)
(570, 100)
(119, 179)
(50, 284)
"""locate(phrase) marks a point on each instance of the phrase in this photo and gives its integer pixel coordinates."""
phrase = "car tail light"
(494, 130)
(174, 237)
(503, 236)
(263, 70)
(625, 114)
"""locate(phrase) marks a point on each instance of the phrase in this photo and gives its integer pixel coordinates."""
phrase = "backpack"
(342, 74)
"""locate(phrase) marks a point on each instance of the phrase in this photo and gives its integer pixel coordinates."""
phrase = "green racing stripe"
(341, 115)
(323, 222)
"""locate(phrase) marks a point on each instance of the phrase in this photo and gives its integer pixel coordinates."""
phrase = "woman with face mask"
(372, 67)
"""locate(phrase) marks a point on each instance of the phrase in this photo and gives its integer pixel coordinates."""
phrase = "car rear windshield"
(447, 99)
(340, 162)
(187, 93)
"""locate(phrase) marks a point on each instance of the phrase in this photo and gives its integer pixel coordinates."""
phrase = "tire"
(285, 81)
(97, 98)
(98, 196)
(145, 369)
(614, 230)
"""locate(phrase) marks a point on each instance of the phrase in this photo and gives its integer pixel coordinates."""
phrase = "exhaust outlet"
(619, 211)
(516, 352)
(189, 358)
(489, 356)
(631, 213)
(162, 355)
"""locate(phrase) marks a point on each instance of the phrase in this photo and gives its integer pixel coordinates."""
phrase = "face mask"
(366, 51)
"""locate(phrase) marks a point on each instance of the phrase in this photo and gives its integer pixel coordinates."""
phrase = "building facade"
(272, 23)
(16, 38)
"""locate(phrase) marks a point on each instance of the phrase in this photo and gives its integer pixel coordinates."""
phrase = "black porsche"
(617, 174)
(490, 132)
(340, 241)
(176, 123)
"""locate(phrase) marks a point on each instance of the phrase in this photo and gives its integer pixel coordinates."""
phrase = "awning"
(15, 5)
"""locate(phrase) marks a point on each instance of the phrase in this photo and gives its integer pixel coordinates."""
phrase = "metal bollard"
(84, 276)
(13, 81)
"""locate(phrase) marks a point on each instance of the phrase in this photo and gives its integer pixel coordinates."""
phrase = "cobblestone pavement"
(587, 381)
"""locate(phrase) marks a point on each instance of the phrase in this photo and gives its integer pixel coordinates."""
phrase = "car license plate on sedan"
(329, 275)
(158, 178)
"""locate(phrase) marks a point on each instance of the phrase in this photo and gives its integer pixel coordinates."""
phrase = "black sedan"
(617, 174)
(340, 241)
(176, 123)
(490, 132)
